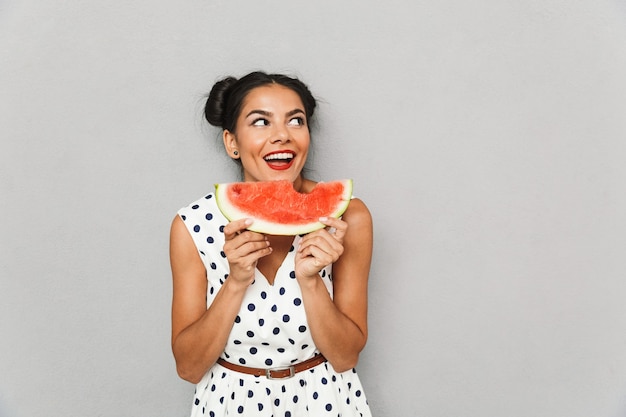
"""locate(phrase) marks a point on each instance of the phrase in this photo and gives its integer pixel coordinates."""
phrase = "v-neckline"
(280, 265)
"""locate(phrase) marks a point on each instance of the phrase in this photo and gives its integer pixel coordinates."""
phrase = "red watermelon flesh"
(278, 209)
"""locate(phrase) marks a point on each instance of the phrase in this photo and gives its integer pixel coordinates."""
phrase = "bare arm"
(338, 325)
(199, 335)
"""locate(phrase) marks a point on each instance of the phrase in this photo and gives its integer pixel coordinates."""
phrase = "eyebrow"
(267, 113)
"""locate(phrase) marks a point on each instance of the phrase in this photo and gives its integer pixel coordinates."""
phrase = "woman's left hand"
(320, 248)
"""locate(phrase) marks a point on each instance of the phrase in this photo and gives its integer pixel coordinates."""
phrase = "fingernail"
(248, 222)
(323, 219)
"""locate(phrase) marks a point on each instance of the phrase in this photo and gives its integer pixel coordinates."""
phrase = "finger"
(319, 238)
(339, 225)
(322, 239)
(327, 249)
(235, 227)
(255, 247)
(320, 257)
(250, 259)
(243, 260)
(245, 243)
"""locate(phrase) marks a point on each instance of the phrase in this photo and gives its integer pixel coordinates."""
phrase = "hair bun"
(227, 96)
(216, 102)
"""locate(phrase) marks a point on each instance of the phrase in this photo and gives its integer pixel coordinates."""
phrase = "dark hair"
(226, 97)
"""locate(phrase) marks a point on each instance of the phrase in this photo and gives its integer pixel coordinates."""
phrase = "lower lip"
(280, 166)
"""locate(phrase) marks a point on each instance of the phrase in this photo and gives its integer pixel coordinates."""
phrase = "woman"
(263, 324)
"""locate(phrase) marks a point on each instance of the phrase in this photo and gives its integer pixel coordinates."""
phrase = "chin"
(288, 176)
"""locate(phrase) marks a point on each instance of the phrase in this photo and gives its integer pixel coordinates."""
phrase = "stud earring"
(235, 153)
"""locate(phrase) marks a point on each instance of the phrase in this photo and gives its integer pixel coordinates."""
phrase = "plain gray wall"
(486, 136)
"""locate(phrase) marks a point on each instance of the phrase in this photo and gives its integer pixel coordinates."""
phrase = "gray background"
(486, 136)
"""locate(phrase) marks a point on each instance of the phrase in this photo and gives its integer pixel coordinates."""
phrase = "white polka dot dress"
(270, 331)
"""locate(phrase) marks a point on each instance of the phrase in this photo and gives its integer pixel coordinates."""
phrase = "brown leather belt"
(275, 373)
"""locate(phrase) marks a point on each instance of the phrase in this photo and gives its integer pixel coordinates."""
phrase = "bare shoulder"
(178, 233)
(183, 253)
(357, 214)
(360, 228)
(177, 226)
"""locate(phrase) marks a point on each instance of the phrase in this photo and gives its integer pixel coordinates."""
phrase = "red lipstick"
(280, 160)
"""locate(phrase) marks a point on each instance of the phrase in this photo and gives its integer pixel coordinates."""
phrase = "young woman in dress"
(263, 324)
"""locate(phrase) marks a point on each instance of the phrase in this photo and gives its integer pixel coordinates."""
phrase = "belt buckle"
(291, 369)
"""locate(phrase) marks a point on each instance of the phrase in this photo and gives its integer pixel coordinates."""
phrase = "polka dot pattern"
(270, 330)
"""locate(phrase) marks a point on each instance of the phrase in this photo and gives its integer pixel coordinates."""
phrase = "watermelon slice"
(278, 209)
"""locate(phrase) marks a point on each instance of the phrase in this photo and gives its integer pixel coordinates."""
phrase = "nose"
(280, 135)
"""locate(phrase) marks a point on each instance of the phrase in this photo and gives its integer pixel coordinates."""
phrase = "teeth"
(283, 155)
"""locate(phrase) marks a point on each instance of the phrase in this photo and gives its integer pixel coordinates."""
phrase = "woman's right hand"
(200, 333)
(243, 249)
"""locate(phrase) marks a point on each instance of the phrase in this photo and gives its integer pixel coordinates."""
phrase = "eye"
(296, 121)
(260, 122)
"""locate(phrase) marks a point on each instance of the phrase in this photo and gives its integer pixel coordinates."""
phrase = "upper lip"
(280, 154)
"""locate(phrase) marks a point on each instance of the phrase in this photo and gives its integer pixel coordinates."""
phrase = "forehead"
(272, 97)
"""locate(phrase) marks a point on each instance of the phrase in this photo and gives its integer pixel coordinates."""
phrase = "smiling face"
(271, 136)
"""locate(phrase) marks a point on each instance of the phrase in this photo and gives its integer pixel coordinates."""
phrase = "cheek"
(305, 139)
(308, 145)
(251, 142)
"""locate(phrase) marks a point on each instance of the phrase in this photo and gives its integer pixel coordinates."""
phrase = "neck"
(303, 185)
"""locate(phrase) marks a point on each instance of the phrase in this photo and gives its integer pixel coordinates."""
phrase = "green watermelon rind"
(233, 213)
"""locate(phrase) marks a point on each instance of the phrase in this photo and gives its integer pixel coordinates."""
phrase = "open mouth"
(279, 160)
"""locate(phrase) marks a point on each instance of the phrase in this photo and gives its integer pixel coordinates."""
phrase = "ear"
(230, 144)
